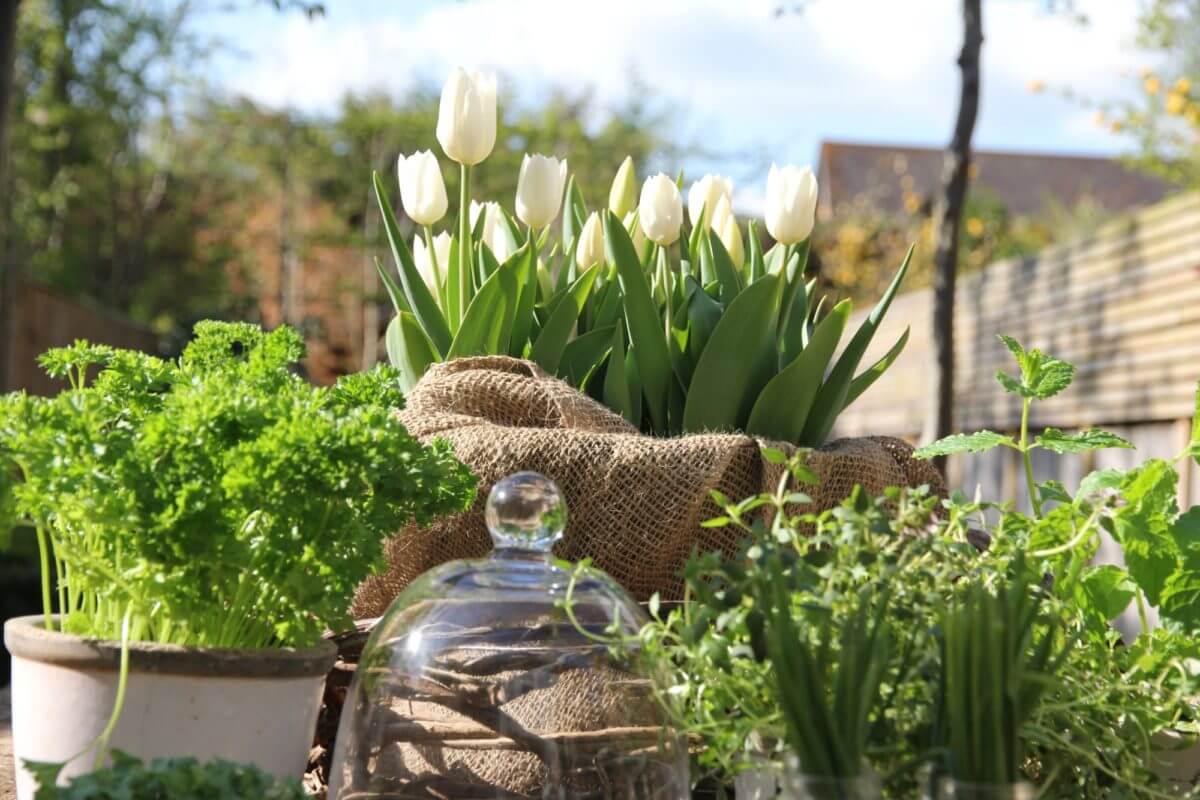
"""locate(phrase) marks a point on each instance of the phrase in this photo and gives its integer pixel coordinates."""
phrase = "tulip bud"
(432, 266)
(495, 232)
(791, 203)
(724, 224)
(422, 190)
(540, 190)
(660, 209)
(704, 196)
(466, 126)
(589, 248)
(622, 197)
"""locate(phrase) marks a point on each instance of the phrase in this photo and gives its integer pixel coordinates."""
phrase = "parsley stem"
(44, 557)
(1034, 499)
(118, 704)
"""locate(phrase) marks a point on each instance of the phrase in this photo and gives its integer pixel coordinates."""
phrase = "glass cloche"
(507, 677)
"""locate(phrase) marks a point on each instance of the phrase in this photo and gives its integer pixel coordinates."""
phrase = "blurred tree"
(1164, 119)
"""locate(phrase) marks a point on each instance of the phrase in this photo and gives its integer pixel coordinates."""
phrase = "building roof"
(882, 175)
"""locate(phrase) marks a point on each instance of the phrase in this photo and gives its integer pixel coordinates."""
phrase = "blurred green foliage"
(133, 182)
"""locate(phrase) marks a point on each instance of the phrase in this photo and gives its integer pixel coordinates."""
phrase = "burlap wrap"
(636, 502)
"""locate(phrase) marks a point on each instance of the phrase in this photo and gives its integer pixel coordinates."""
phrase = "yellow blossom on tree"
(1182, 86)
(1176, 104)
(975, 227)
(1037, 86)
(1152, 84)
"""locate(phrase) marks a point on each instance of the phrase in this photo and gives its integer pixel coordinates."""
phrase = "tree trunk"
(8, 55)
(947, 217)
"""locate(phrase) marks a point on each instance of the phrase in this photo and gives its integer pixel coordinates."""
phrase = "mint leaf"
(1185, 531)
(1053, 490)
(965, 443)
(1051, 376)
(1098, 481)
(1143, 526)
(1012, 385)
(1108, 589)
(1194, 448)
(1042, 375)
(1056, 441)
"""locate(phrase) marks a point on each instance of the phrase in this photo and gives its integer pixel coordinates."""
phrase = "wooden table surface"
(8, 789)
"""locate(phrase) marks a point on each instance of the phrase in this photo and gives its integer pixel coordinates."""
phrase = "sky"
(740, 78)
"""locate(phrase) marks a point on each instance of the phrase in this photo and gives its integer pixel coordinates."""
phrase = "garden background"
(164, 161)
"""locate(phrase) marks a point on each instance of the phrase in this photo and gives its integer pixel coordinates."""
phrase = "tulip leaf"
(795, 326)
(722, 267)
(643, 321)
(527, 288)
(485, 263)
(583, 354)
(738, 360)
(487, 325)
(608, 310)
(872, 373)
(393, 289)
(757, 268)
(617, 395)
(409, 349)
(703, 315)
(773, 260)
(635, 388)
(547, 350)
(416, 293)
(574, 212)
(783, 405)
(832, 397)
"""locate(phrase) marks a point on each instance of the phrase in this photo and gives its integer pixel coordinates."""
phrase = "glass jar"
(815, 787)
(508, 676)
(951, 789)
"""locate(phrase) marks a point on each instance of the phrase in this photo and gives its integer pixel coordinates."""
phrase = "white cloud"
(879, 70)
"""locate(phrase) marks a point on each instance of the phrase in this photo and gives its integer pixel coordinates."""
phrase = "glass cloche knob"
(526, 511)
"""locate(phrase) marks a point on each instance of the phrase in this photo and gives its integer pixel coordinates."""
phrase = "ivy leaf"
(965, 443)
(1108, 589)
(1056, 441)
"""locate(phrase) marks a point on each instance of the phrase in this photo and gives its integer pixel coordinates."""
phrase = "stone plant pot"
(250, 706)
(1176, 761)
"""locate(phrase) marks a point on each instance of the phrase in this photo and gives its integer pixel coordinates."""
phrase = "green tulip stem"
(439, 280)
(464, 243)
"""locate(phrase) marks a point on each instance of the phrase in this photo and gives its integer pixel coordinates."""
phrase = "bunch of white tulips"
(677, 329)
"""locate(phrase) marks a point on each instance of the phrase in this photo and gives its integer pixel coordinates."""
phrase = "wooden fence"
(41, 318)
(1122, 305)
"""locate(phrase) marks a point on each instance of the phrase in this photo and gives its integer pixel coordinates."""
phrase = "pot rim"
(27, 638)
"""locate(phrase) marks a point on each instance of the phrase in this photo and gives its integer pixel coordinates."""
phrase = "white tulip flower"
(540, 190)
(660, 209)
(589, 250)
(422, 190)
(791, 203)
(724, 224)
(466, 126)
(432, 266)
(705, 194)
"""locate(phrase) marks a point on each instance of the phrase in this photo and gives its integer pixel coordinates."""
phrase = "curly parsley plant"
(219, 500)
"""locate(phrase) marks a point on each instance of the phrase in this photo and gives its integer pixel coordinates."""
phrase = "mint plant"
(219, 500)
